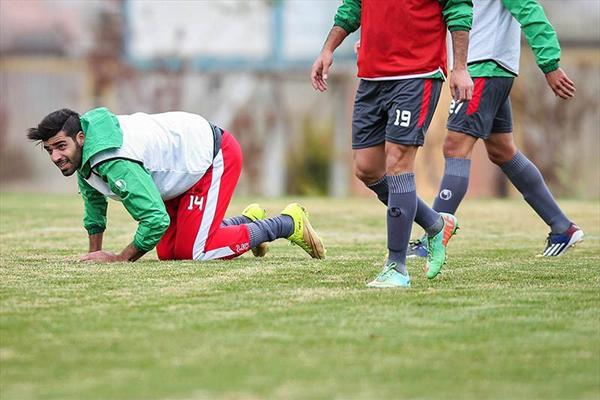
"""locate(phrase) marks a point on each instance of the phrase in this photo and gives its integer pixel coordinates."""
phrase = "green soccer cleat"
(390, 278)
(304, 235)
(436, 246)
(255, 212)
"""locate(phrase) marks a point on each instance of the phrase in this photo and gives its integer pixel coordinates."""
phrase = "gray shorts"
(489, 111)
(397, 111)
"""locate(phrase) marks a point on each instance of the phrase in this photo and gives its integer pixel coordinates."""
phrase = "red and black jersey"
(401, 39)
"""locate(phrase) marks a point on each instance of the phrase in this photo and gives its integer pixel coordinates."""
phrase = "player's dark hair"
(62, 120)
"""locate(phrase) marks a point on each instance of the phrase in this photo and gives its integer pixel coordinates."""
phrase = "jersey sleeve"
(94, 207)
(347, 16)
(140, 196)
(539, 33)
(458, 14)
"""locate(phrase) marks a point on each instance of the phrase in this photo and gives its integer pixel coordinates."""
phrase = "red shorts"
(195, 232)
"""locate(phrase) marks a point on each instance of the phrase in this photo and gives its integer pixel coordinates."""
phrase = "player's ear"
(80, 138)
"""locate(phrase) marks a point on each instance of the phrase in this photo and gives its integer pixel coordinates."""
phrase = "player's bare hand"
(356, 46)
(461, 85)
(560, 84)
(100, 256)
(320, 69)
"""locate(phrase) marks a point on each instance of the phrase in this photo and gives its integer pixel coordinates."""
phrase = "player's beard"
(74, 162)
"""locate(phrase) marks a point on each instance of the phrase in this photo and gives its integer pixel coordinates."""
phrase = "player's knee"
(501, 154)
(455, 147)
(367, 174)
(180, 254)
(165, 253)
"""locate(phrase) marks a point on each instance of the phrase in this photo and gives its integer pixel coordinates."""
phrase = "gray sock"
(269, 229)
(428, 218)
(402, 206)
(529, 181)
(454, 185)
(237, 220)
(381, 189)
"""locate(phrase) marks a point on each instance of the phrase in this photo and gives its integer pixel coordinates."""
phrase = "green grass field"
(499, 323)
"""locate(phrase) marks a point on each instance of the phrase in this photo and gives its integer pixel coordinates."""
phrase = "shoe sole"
(575, 239)
(262, 249)
(383, 286)
(314, 241)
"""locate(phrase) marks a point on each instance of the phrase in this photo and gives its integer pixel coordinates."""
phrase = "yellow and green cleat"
(255, 212)
(304, 235)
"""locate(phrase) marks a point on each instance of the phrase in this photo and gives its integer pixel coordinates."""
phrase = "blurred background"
(245, 65)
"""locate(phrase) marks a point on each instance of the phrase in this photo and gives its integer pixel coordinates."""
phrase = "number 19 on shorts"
(402, 118)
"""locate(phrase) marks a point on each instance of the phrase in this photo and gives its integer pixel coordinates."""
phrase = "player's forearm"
(95, 241)
(334, 39)
(131, 253)
(150, 232)
(460, 48)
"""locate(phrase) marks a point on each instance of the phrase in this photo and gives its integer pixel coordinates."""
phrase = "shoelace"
(386, 270)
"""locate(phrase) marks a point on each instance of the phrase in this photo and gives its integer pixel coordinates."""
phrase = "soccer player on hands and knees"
(175, 174)
(402, 64)
(494, 51)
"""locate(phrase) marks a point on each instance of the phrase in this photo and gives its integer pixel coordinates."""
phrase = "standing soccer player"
(175, 174)
(402, 64)
(494, 52)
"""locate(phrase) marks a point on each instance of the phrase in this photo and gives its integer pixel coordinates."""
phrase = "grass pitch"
(499, 323)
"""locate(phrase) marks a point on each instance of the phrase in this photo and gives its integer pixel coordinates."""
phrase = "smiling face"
(65, 152)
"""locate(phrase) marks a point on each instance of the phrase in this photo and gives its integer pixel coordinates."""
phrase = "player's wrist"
(549, 67)
(326, 52)
(121, 257)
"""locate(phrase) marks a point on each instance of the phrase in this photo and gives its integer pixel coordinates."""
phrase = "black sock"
(269, 229)
(237, 220)
(529, 181)
(402, 206)
(381, 189)
(453, 186)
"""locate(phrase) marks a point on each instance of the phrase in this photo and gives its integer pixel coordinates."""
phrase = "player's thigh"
(503, 121)
(368, 116)
(476, 117)
(369, 163)
(203, 206)
(410, 105)
(192, 209)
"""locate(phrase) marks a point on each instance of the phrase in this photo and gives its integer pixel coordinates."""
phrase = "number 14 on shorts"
(196, 201)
